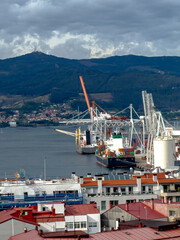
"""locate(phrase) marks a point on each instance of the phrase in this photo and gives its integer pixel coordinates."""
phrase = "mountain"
(113, 82)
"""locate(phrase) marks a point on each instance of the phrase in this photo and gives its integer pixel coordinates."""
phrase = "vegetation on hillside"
(125, 77)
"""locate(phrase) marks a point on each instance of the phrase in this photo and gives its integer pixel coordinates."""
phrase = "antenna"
(45, 168)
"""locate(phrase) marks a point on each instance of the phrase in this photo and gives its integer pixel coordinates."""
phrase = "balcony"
(171, 193)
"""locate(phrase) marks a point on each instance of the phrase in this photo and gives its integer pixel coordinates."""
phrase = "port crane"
(155, 125)
(101, 123)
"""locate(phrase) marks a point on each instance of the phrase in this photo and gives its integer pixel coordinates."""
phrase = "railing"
(117, 194)
(67, 197)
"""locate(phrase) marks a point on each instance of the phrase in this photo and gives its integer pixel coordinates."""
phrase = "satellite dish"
(16, 174)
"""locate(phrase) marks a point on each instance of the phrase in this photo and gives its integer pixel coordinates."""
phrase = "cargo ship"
(113, 153)
(86, 142)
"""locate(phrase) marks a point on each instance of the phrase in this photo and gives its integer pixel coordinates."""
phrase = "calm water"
(29, 148)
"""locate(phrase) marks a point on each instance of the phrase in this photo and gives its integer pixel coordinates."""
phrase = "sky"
(83, 29)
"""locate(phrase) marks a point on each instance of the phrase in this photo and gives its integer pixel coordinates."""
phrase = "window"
(115, 189)
(129, 201)
(130, 190)
(83, 224)
(92, 224)
(166, 188)
(177, 187)
(123, 190)
(114, 203)
(177, 199)
(150, 190)
(25, 193)
(103, 205)
(143, 189)
(69, 225)
(77, 225)
(23, 213)
(172, 213)
(108, 190)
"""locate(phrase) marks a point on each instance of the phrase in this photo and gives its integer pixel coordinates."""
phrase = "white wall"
(86, 218)
(52, 226)
(13, 227)
(94, 218)
(59, 208)
(121, 199)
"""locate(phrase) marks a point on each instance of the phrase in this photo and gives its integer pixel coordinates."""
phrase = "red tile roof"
(140, 210)
(110, 183)
(49, 218)
(130, 234)
(169, 180)
(81, 209)
(137, 234)
(119, 182)
(7, 215)
(33, 234)
(150, 175)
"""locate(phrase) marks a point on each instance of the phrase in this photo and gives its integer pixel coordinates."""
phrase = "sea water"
(43, 152)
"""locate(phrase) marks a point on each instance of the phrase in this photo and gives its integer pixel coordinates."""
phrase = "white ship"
(22, 192)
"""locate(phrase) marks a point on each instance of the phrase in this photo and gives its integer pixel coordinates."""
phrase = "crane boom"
(66, 132)
(85, 94)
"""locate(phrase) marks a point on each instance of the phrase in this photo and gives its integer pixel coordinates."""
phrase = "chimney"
(117, 223)
(152, 203)
(127, 206)
(100, 185)
(140, 225)
(53, 212)
(139, 184)
(73, 175)
(89, 175)
(155, 177)
(40, 232)
(81, 180)
(25, 230)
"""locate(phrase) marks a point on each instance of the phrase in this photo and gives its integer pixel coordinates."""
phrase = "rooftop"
(130, 234)
(137, 234)
(81, 209)
(140, 210)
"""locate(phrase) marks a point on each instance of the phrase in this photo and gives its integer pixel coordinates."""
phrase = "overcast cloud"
(90, 28)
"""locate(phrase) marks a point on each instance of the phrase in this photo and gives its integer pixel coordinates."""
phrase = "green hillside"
(123, 77)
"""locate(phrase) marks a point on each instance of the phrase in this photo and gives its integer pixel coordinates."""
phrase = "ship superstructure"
(21, 192)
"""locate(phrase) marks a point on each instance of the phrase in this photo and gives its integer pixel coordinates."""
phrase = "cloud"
(90, 28)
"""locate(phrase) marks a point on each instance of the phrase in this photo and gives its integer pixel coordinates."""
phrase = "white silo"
(164, 152)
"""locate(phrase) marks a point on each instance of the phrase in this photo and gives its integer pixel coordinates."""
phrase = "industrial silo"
(164, 152)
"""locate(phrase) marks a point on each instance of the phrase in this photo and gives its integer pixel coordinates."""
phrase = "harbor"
(29, 148)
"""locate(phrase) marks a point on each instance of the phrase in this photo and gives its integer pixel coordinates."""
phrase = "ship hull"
(115, 162)
(88, 149)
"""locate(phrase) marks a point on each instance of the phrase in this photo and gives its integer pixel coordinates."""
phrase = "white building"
(11, 225)
(108, 193)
